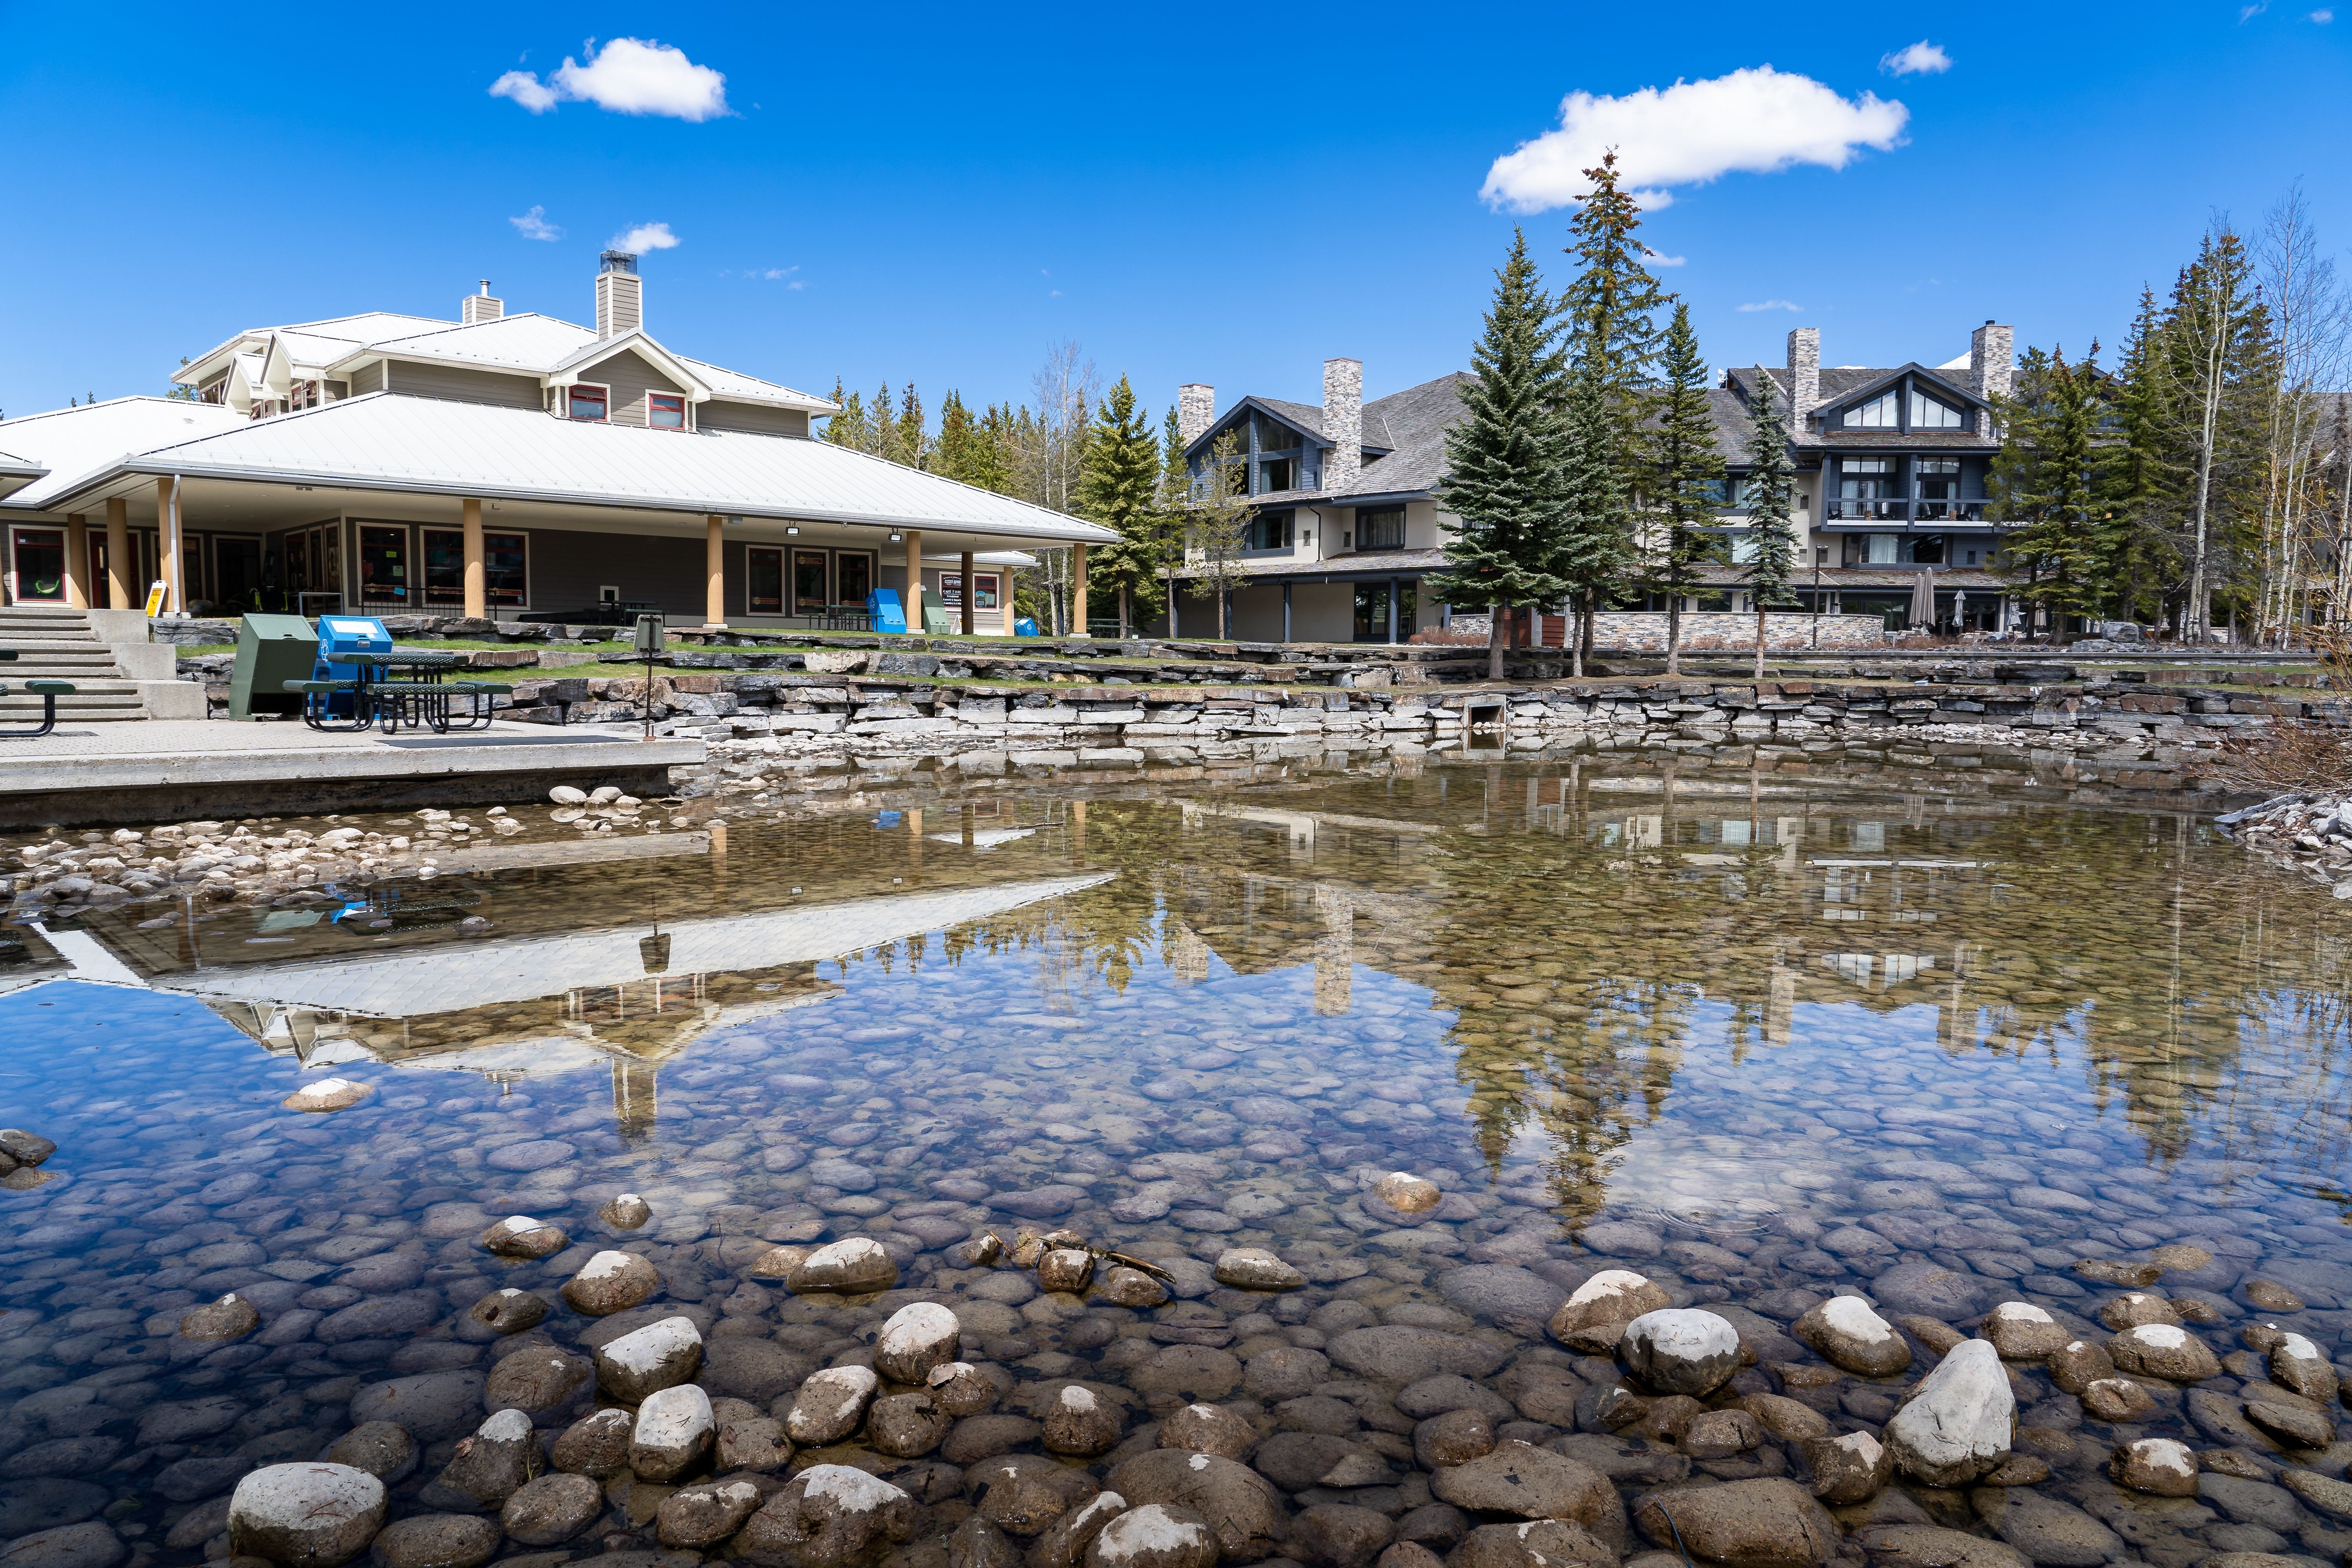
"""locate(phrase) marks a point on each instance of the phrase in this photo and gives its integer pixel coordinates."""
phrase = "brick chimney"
(1196, 410)
(1992, 359)
(620, 295)
(476, 309)
(1804, 375)
(1343, 422)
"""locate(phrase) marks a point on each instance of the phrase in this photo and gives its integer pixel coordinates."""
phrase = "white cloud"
(2323, 17)
(1771, 305)
(643, 238)
(779, 271)
(628, 76)
(534, 225)
(1754, 121)
(1922, 58)
(2248, 12)
(1659, 258)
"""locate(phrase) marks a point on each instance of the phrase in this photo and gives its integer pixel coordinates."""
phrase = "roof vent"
(476, 309)
(620, 295)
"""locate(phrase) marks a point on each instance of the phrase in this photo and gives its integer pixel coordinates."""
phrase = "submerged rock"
(1766, 1524)
(552, 1510)
(1255, 1268)
(645, 1361)
(2020, 1331)
(626, 1211)
(1684, 1350)
(1850, 1336)
(230, 1318)
(1962, 1421)
(327, 1094)
(305, 1516)
(2164, 1350)
(853, 1266)
(520, 1235)
(509, 1311)
(611, 1282)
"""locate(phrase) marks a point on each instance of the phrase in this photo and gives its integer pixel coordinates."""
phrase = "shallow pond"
(1760, 1033)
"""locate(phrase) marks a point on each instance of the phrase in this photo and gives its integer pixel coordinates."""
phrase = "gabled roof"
(569, 369)
(1307, 417)
(388, 441)
(67, 445)
(1882, 379)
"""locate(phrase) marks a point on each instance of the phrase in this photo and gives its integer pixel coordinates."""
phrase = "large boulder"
(919, 1338)
(1766, 1524)
(645, 1361)
(611, 1282)
(1681, 1350)
(1240, 1505)
(2020, 1331)
(1531, 1544)
(1158, 1535)
(829, 1516)
(2165, 1350)
(305, 1516)
(1959, 1423)
(674, 1430)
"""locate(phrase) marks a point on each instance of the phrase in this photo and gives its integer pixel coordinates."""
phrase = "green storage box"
(270, 651)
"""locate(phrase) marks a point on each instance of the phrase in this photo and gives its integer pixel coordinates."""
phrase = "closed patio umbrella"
(1923, 598)
(1960, 610)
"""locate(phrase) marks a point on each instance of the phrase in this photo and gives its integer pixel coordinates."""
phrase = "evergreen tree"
(1175, 497)
(958, 454)
(1771, 478)
(2214, 371)
(881, 429)
(1217, 524)
(1590, 551)
(914, 447)
(1506, 464)
(1120, 487)
(2139, 551)
(1613, 307)
(847, 428)
(1683, 479)
(2047, 485)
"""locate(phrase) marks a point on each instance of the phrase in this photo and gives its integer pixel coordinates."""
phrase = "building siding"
(461, 384)
(368, 378)
(751, 418)
(567, 568)
(630, 377)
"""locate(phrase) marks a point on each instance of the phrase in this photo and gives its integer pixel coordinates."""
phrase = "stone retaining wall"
(1644, 631)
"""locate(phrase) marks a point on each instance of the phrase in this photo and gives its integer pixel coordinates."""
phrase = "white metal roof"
(391, 442)
(460, 976)
(73, 444)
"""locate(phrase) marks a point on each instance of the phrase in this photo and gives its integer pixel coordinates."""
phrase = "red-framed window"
(587, 401)
(665, 411)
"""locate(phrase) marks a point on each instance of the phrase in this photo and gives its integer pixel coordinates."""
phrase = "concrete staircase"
(55, 643)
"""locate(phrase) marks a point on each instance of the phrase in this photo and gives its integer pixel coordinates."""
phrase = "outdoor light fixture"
(896, 536)
(791, 528)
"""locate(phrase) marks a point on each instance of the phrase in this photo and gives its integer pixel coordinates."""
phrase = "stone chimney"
(1804, 375)
(1196, 410)
(1343, 422)
(1992, 359)
(476, 309)
(620, 295)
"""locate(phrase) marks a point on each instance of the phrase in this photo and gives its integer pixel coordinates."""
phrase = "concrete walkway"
(166, 770)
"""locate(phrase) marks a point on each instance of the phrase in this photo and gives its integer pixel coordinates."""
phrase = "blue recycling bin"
(1025, 627)
(345, 636)
(883, 612)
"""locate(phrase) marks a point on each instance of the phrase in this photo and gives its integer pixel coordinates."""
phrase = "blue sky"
(1228, 196)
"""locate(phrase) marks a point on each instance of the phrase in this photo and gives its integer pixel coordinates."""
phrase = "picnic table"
(407, 686)
(48, 691)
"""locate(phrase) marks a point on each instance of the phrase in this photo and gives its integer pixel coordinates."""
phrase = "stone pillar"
(914, 594)
(1196, 410)
(714, 569)
(120, 591)
(477, 576)
(1077, 590)
(1343, 423)
(167, 539)
(1804, 375)
(971, 592)
(77, 560)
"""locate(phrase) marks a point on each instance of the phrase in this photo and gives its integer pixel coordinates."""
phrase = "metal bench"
(48, 691)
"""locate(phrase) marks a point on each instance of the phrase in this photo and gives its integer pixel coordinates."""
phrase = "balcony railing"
(1847, 508)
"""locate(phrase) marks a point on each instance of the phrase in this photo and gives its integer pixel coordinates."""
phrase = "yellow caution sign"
(155, 600)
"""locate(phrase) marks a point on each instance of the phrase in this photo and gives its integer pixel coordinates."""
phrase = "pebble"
(535, 1379)
(1255, 1268)
(509, 1311)
(595, 1445)
(520, 1235)
(2116, 1399)
(958, 1388)
(2297, 1363)
(626, 1211)
(310, 1515)
(1408, 1193)
(2157, 1465)
(1065, 1268)
(906, 1425)
(383, 1450)
(1528, 1482)
(2271, 1296)
(2137, 1306)
(1078, 1422)
(1210, 1430)
(327, 1094)
(91, 1546)
(437, 1541)
(1766, 1524)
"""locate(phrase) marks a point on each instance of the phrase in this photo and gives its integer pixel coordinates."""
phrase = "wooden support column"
(1004, 580)
(167, 539)
(478, 575)
(714, 566)
(913, 598)
(1077, 590)
(120, 594)
(971, 592)
(77, 560)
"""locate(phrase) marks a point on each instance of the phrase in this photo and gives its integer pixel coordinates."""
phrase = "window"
(809, 579)
(763, 581)
(1927, 414)
(984, 590)
(40, 563)
(585, 402)
(505, 564)
(1382, 529)
(1277, 474)
(1926, 549)
(1878, 414)
(1276, 436)
(854, 575)
(1267, 530)
(1372, 611)
(383, 569)
(665, 411)
(1940, 486)
(305, 394)
(1873, 549)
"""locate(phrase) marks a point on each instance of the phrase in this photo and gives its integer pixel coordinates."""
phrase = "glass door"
(763, 581)
(40, 561)
(809, 583)
(855, 572)
(383, 570)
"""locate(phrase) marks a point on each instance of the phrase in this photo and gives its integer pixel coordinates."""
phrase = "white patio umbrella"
(1960, 609)
(1923, 598)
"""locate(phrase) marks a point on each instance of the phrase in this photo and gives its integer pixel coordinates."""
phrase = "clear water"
(1762, 1034)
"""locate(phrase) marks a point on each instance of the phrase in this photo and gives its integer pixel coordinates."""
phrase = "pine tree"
(1506, 463)
(1175, 496)
(1119, 488)
(914, 447)
(881, 429)
(2047, 484)
(1612, 306)
(1771, 478)
(957, 454)
(1590, 551)
(1683, 481)
(847, 428)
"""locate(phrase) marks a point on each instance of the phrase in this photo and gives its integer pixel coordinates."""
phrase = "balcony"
(1849, 510)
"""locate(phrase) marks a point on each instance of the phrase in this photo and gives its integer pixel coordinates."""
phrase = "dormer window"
(586, 402)
(665, 411)
(1881, 413)
(1927, 414)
